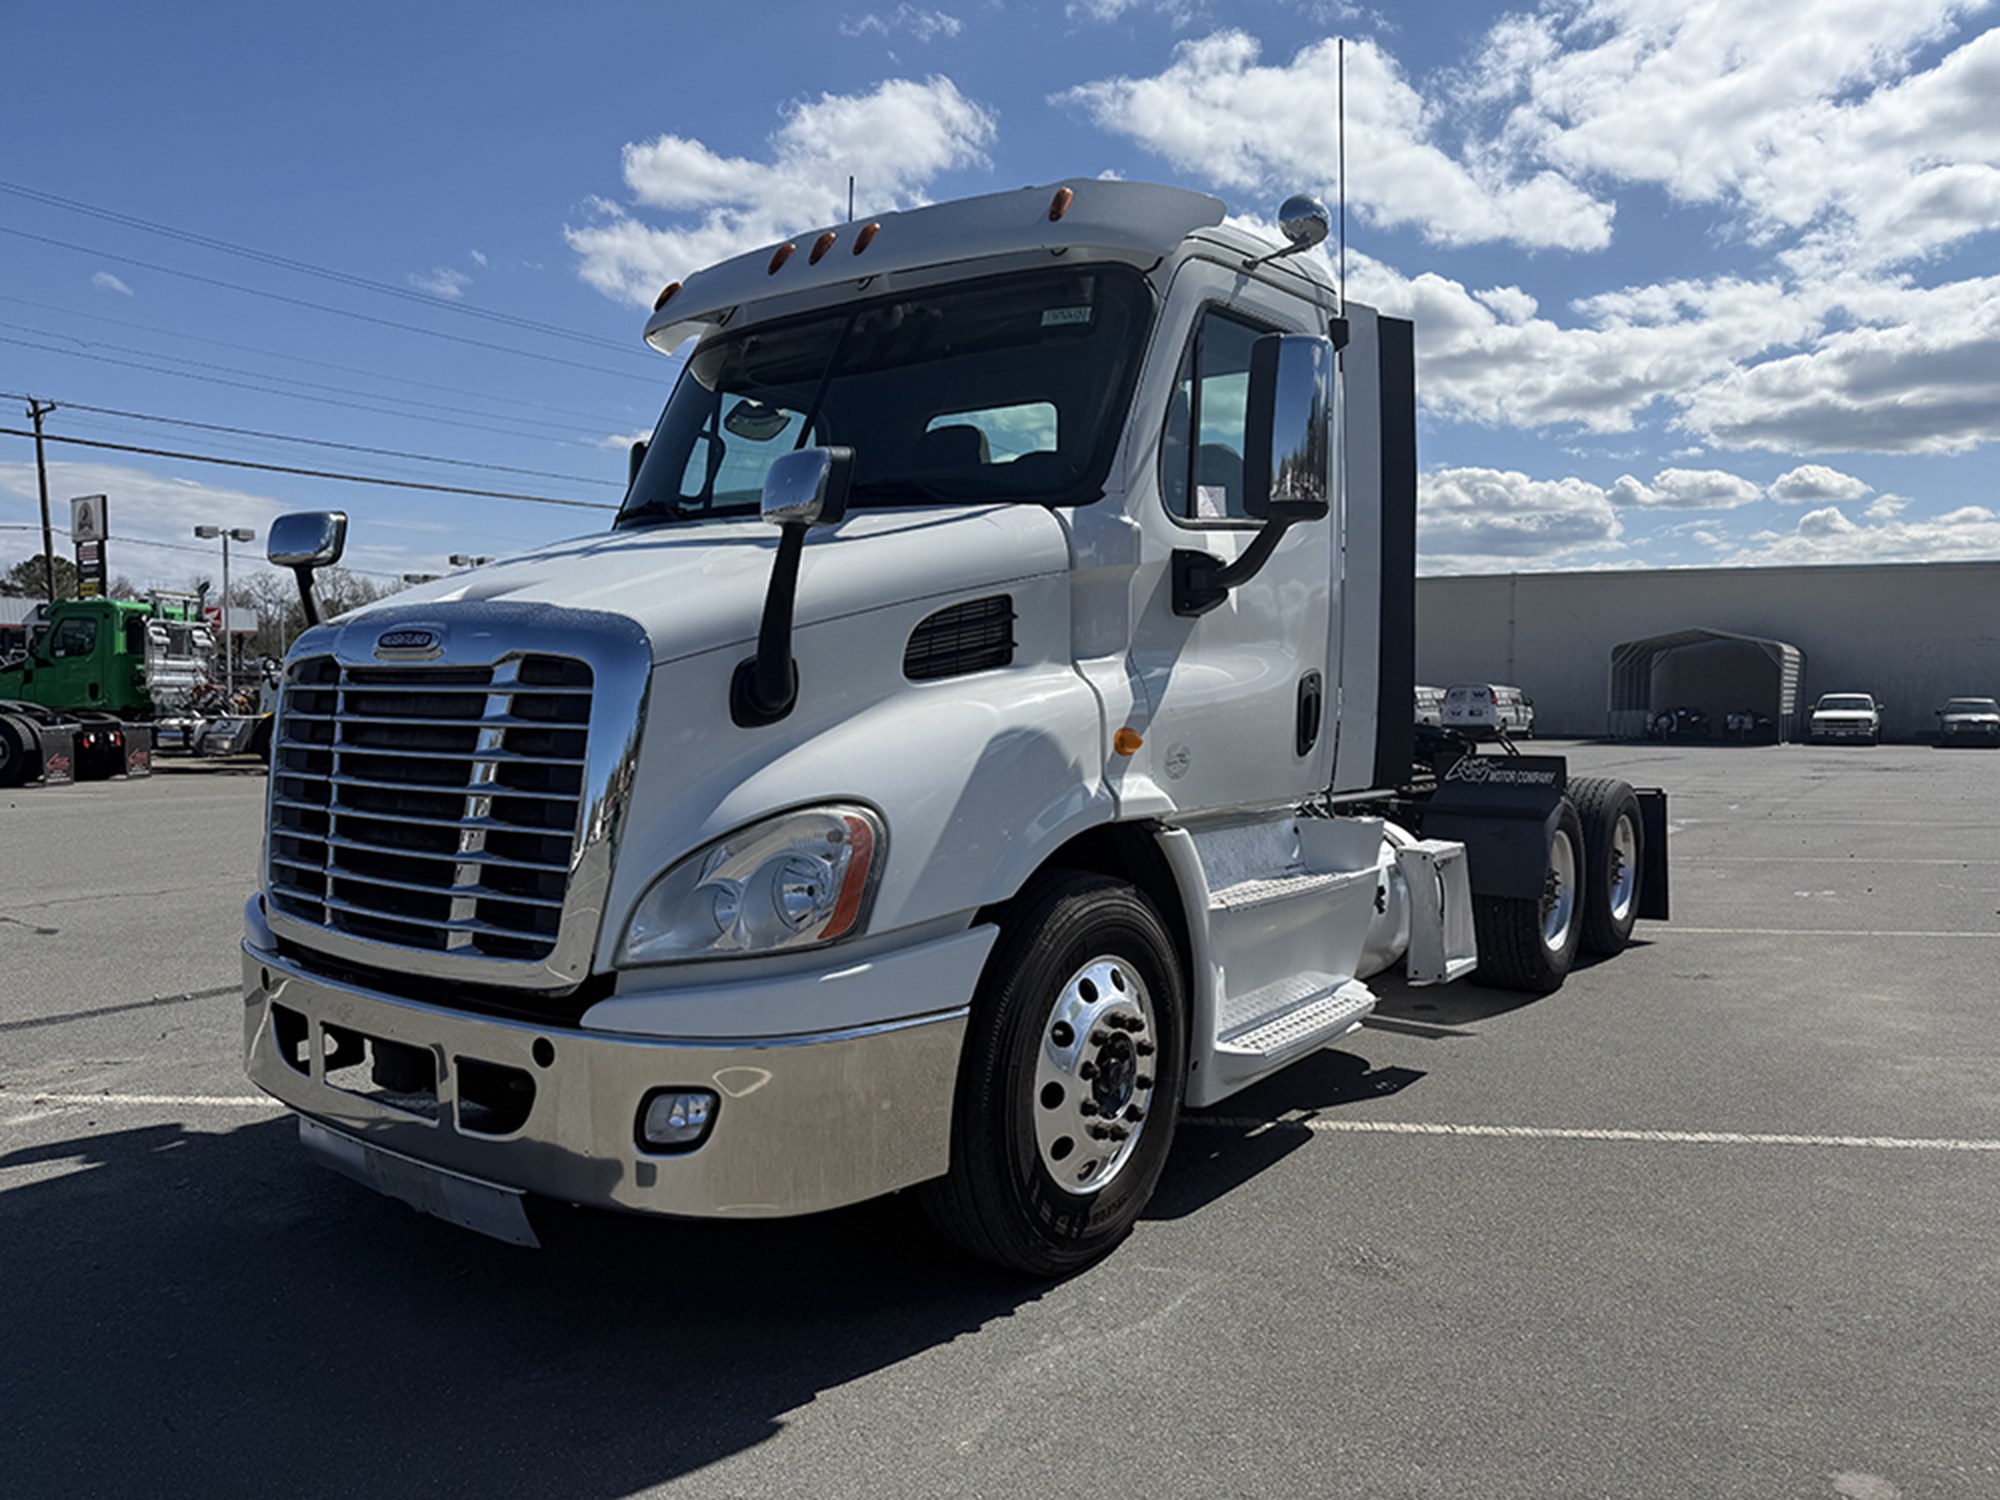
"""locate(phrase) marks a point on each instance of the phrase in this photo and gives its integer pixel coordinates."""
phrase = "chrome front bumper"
(804, 1122)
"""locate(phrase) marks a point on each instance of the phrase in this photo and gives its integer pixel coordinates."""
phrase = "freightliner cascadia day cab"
(983, 733)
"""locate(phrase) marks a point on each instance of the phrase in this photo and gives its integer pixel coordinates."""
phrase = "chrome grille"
(432, 807)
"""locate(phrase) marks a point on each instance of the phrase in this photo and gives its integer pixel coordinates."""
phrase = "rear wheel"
(1613, 845)
(1071, 1080)
(1530, 942)
(17, 763)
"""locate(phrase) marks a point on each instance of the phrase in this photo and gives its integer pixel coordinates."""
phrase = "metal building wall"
(1913, 634)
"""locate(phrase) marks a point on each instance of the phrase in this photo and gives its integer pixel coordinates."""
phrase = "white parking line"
(1815, 932)
(1251, 1123)
(1560, 1133)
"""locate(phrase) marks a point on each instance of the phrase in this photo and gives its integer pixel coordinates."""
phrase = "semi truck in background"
(104, 683)
(982, 734)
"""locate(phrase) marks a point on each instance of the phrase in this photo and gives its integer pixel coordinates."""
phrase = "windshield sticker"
(1055, 317)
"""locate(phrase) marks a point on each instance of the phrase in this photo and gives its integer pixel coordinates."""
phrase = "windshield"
(1006, 389)
(1972, 706)
(1847, 702)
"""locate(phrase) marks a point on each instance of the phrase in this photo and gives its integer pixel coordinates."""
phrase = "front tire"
(1530, 942)
(1071, 1080)
(17, 762)
(1614, 845)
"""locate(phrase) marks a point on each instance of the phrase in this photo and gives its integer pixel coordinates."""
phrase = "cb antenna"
(1340, 53)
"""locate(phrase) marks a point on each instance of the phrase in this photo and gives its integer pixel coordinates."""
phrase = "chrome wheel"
(1623, 875)
(1094, 1075)
(1559, 893)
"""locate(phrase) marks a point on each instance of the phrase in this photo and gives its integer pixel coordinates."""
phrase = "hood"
(694, 587)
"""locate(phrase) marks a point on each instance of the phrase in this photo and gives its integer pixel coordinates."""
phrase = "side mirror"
(808, 487)
(1289, 428)
(803, 489)
(307, 539)
(303, 541)
(1287, 468)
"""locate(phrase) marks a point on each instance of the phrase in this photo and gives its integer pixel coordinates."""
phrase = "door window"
(1201, 460)
(74, 637)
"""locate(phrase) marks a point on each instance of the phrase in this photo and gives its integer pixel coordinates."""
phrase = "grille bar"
(397, 814)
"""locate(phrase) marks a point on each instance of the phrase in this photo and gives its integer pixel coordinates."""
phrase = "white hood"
(694, 587)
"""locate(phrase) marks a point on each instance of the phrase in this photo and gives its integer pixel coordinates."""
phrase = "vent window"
(969, 637)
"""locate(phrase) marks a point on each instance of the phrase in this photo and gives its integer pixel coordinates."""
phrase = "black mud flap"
(1653, 854)
(58, 754)
(1503, 808)
(138, 749)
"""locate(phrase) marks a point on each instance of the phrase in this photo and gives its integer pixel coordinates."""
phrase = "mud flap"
(1653, 854)
(483, 1207)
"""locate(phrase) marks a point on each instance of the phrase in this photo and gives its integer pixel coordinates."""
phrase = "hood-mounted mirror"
(303, 541)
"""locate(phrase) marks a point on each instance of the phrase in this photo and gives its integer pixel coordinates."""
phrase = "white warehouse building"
(1600, 651)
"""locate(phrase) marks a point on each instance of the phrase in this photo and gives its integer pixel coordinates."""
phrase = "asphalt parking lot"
(1719, 1218)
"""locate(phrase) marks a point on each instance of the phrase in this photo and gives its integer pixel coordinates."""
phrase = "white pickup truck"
(982, 733)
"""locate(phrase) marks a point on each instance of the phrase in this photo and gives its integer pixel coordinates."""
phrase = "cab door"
(1236, 700)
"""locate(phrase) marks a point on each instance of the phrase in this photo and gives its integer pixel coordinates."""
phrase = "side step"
(1324, 1013)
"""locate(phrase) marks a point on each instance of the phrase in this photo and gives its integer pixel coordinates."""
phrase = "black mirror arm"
(307, 602)
(767, 685)
(1201, 582)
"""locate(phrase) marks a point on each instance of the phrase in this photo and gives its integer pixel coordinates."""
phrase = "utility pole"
(36, 411)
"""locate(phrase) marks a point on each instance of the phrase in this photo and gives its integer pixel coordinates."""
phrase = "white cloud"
(1800, 114)
(443, 282)
(1686, 489)
(1887, 507)
(623, 441)
(104, 281)
(1215, 111)
(1828, 535)
(1097, 10)
(478, 258)
(1470, 518)
(1810, 482)
(1921, 374)
(924, 25)
(896, 140)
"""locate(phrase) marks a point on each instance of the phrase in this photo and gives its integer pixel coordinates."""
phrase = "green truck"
(81, 703)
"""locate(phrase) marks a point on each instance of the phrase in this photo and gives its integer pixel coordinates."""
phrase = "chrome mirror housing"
(1304, 221)
(307, 539)
(808, 487)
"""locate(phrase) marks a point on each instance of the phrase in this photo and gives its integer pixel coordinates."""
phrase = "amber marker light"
(779, 256)
(1059, 205)
(867, 237)
(1127, 741)
(820, 246)
(666, 295)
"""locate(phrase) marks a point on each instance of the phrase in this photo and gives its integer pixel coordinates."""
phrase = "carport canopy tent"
(1635, 663)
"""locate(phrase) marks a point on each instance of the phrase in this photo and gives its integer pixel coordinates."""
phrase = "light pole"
(228, 534)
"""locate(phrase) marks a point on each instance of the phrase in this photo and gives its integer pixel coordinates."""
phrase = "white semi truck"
(983, 733)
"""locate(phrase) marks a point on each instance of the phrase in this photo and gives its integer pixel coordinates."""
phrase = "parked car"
(1682, 722)
(1968, 721)
(1486, 710)
(1430, 705)
(1845, 717)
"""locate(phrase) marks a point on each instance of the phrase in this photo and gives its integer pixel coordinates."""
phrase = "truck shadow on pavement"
(207, 1314)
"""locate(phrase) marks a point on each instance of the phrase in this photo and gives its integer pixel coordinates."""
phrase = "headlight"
(798, 880)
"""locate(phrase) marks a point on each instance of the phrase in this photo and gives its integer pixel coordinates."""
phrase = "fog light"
(676, 1119)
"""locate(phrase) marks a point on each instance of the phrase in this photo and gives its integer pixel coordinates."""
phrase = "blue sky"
(1694, 283)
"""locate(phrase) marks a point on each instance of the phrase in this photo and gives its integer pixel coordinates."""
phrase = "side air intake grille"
(430, 807)
(968, 637)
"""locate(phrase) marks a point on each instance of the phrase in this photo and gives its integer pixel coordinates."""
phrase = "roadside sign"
(89, 520)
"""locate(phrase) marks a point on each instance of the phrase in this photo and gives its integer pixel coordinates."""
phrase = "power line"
(344, 278)
(146, 541)
(265, 389)
(244, 463)
(339, 312)
(285, 437)
(295, 358)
